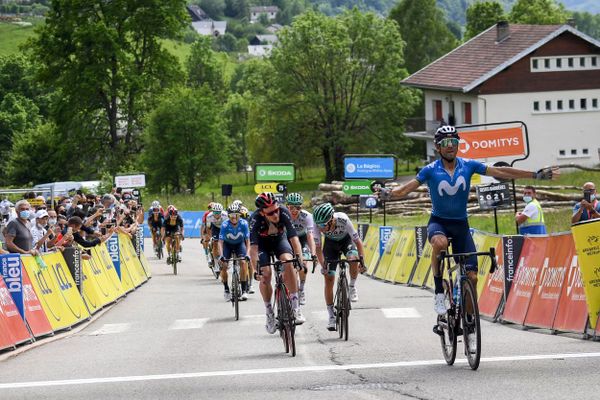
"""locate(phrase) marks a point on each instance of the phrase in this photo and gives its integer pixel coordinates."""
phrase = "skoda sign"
(274, 172)
(366, 167)
(357, 187)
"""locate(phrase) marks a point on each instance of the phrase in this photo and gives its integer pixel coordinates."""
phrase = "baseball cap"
(41, 214)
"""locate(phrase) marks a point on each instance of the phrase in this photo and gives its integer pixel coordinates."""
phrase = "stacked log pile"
(419, 202)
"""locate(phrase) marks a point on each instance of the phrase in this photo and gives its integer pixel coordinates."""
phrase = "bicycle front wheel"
(471, 324)
(343, 307)
(235, 293)
(174, 260)
(280, 297)
(447, 326)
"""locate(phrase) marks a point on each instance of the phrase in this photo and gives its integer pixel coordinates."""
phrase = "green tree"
(203, 66)
(422, 26)
(538, 12)
(107, 60)
(588, 23)
(185, 141)
(481, 16)
(18, 114)
(336, 88)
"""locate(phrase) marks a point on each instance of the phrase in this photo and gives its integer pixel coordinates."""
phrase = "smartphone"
(587, 196)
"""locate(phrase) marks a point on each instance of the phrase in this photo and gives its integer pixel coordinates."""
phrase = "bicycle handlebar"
(462, 256)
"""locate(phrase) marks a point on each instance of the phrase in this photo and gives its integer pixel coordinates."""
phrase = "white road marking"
(108, 329)
(316, 368)
(400, 313)
(188, 324)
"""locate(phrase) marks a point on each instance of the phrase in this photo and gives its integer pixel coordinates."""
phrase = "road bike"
(341, 300)
(212, 263)
(236, 287)
(462, 315)
(173, 255)
(286, 322)
(158, 248)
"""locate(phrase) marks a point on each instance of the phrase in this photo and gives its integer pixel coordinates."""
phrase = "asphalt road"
(175, 337)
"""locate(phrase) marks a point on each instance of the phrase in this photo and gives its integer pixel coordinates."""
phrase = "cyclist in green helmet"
(302, 221)
(340, 237)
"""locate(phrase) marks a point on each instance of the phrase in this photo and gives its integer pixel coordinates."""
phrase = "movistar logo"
(451, 190)
(231, 236)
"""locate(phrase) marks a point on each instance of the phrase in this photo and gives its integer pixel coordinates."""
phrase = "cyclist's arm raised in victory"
(401, 191)
(514, 173)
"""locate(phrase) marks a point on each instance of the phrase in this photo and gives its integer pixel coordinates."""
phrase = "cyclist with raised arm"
(340, 238)
(173, 225)
(270, 228)
(304, 225)
(449, 181)
(234, 238)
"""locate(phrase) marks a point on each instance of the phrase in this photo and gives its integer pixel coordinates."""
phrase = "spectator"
(75, 224)
(39, 232)
(589, 207)
(18, 236)
(5, 206)
(531, 220)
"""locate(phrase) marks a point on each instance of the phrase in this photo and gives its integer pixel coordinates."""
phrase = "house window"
(559, 63)
(451, 113)
(437, 110)
(583, 104)
(562, 153)
(571, 104)
(594, 61)
(559, 104)
(582, 61)
(534, 64)
(594, 103)
(467, 114)
(536, 106)
(573, 152)
(547, 63)
(570, 60)
(585, 152)
(548, 105)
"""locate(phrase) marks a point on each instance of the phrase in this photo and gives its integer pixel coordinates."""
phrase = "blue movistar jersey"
(234, 234)
(449, 194)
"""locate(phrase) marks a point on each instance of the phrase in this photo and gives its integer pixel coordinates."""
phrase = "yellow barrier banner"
(101, 259)
(404, 258)
(422, 270)
(371, 246)
(98, 287)
(129, 256)
(483, 242)
(145, 265)
(388, 254)
(587, 243)
(56, 290)
(90, 289)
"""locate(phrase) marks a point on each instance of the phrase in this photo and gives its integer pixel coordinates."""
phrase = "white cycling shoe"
(227, 296)
(244, 296)
(440, 304)
(353, 294)
(299, 317)
(331, 325)
(271, 325)
(302, 298)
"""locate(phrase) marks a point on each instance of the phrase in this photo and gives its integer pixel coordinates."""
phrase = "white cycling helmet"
(218, 207)
(155, 204)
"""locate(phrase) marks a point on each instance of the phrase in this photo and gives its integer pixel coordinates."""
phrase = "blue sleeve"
(424, 174)
(477, 167)
(245, 230)
(222, 230)
(576, 208)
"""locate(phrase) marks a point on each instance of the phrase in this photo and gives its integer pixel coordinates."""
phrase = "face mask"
(527, 199)
(40, 225)
(25, 214)
(592, 197)
(52, 221)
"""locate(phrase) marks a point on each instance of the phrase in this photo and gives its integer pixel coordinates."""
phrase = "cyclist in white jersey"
(213, 223)
(302, 221)
(340, 237)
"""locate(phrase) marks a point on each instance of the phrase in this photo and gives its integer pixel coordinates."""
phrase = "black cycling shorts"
(458, 230)
(333, 249)
(276, 247)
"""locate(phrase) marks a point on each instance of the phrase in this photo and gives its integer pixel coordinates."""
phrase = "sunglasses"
(323, 225)
(295, 207)
(234, 215)
(216, 212)
(270, 214)
(449, 142)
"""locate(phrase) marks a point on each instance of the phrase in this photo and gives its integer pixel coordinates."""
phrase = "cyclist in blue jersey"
(234, 241)
(449, 181)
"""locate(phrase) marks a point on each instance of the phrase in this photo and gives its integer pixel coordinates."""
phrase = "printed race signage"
(357, 187)
(368, 202)
(385, 233)
(274, 172)
(369, 167)
(492, 143)
(12, 271)
(113, 250)
(130, 181)
(587, 242)
(265, 187)
(511, 252)
(493, 196)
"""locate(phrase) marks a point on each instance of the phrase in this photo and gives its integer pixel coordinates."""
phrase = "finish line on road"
(316, 368)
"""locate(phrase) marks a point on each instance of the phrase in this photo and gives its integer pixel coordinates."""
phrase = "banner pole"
(384, 213)
(496, 218)
(357, 207)
(370, 215)
(514, 188)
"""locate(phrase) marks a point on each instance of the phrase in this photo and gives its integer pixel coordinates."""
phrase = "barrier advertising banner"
(385, 233)
(404, 258)
(371, 246)
(419, 276)
(420, 240)
(12, 318)
(526, 279)
(90, 289)
(34, 313)
(112, 245)
(587, 243)
(130, 258)
(383, 167)
(492, 143)
(572, 312)
(102, 260)
(12, 272)
(483, 242)
(546, 296)
(386, 258)
(511, 252)
(492, 293)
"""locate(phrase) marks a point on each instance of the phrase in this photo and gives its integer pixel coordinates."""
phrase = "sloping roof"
(209, 27)
(479, 59)
(196, 13)
(264, 9)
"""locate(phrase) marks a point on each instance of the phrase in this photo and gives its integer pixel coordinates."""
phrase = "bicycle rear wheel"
(471, 324)
(344, 307)
(159, 250)
(281, 317)
(448, 323)
(235, 293)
